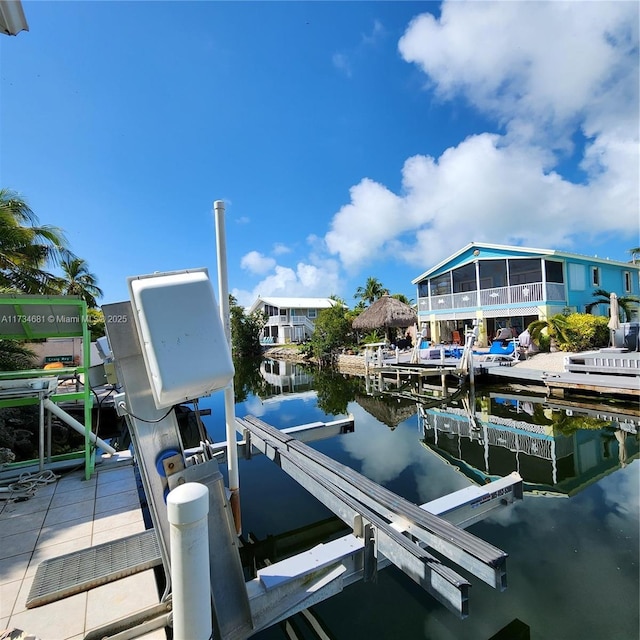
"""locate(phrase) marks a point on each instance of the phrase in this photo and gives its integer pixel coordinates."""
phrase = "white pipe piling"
(229, 395)
(187, 511)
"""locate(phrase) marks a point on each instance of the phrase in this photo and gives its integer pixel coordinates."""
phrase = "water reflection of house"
(510, 434)
(284, 376)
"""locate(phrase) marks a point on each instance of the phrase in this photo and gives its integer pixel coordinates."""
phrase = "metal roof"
(519, 250)
(293, 303)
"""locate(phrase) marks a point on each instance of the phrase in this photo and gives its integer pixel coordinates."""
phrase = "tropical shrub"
(572, 332)
(585, 332)
(245, 331)
(95, 320)
(15, 356)
(332, 333)
(372, 337)
(553, 328)
(543, 342)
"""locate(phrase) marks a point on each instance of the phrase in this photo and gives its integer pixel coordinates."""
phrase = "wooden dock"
(612, 372)
(618, 385)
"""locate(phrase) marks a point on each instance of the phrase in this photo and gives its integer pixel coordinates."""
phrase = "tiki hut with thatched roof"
(386, 313)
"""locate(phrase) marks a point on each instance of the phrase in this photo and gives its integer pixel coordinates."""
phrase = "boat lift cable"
(201, 428)
(123, 407)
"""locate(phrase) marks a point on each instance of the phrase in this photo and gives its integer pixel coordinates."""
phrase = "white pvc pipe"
(229, 395)
(41, 435)
(78, 426)
(187, 511)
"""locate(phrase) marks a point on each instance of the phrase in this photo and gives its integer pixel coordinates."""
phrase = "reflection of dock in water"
(555, 450)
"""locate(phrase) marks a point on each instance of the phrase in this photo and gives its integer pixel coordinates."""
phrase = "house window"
(313, 313)
(577, 277)
(626, 280)
(464, 278)
(525, 271)
(595, 276)
(493, 274)
(553, 271)
(441, 285)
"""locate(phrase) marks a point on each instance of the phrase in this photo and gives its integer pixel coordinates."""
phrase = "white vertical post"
(41, 431)
(229, 396)
(187, 510)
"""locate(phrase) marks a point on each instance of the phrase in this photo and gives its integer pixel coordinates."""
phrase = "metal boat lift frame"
(386, 528)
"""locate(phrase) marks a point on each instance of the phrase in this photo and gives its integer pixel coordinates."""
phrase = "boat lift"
(168, 347)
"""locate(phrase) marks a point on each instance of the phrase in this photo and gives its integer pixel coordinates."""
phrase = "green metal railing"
(32, 317)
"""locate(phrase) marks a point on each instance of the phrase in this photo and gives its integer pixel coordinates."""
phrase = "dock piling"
(187, 511)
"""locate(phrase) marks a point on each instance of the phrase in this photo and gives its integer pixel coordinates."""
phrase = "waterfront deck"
(63, 517)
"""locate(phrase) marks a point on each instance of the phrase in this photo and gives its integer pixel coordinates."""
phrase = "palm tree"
(27, 248)
(635, 254)
(625, 303)
(15, 356)
(79, 281)
(554, 326)
(372, 290)
(403, 298)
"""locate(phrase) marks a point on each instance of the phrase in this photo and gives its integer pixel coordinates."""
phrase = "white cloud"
(377, 32)
(543, 71)
(342, 63)
(554, 62)
(306, 280)
(365, 224)
(280, 249)
(257, 263)
(345, 62)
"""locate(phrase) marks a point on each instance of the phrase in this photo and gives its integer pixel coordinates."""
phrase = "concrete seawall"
(552, 362)
(346, 363)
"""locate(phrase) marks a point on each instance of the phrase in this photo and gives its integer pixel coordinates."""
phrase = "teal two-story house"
(503, 286)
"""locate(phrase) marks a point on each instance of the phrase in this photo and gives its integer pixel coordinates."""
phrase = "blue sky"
(348, 139)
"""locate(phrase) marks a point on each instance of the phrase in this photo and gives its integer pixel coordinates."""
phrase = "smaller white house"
(290, 319)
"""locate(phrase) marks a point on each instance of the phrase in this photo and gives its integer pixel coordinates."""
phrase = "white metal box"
(184, 347)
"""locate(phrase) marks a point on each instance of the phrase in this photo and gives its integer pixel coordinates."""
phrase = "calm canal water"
(573, 542)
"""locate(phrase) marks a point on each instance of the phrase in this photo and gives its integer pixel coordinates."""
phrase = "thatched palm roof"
(384, 313)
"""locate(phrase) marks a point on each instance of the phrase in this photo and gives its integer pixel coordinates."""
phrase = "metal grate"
(83, 570)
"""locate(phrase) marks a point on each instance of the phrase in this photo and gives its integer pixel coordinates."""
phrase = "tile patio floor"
(66, 516)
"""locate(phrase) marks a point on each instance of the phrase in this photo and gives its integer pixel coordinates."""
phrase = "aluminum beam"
(480, 558)
(441, 582)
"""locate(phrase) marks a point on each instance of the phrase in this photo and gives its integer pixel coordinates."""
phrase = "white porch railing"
(532, 292)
